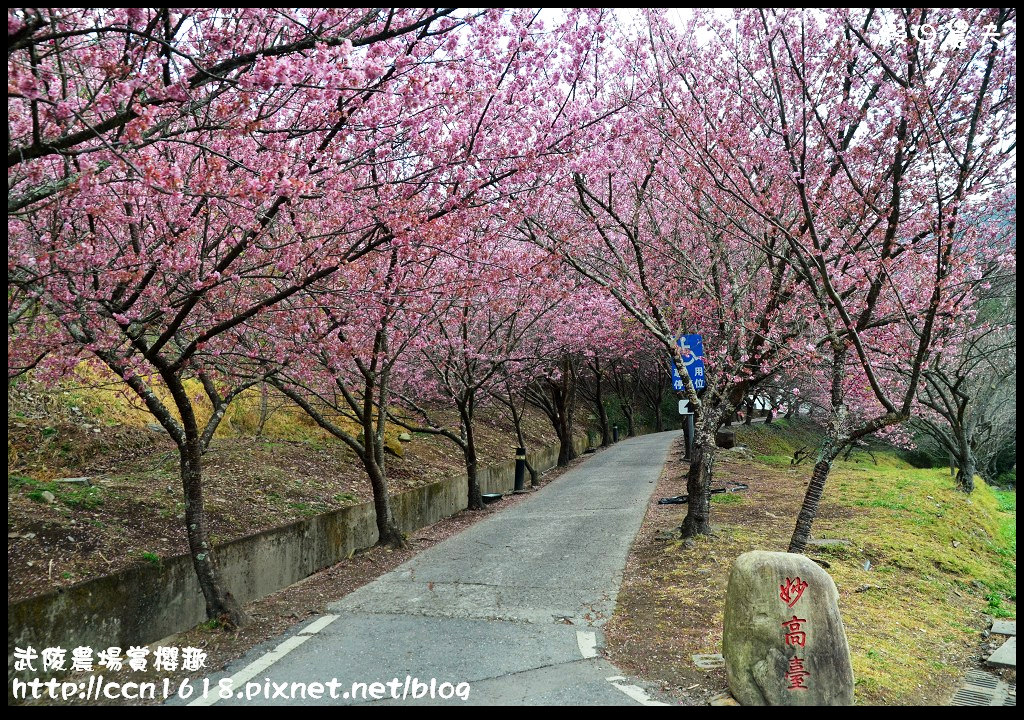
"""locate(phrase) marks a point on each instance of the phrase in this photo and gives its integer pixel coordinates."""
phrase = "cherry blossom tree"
(643, 220)
(863, 148)
(175, 177)
(167, 173)
(354, 331)
(494, 304)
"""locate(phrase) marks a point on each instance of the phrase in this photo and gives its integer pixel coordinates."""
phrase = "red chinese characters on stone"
(790, 593)
(792, 590)
(794, 634)
(796, 674)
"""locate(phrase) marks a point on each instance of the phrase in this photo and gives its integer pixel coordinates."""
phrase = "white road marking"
(265, 661)
(587, 642)
(638, 694)
(317, 625)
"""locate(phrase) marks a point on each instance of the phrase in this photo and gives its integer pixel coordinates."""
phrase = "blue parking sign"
(692, 349)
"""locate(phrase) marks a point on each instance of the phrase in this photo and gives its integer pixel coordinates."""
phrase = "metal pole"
(689, 435)
(615, 433)
(520, 469)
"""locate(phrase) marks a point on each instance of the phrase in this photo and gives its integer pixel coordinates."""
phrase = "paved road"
(513, 605)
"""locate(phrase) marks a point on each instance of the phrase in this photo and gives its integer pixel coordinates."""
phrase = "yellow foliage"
(100, 394)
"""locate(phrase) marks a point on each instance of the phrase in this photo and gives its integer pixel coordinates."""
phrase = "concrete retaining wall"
(144, 603)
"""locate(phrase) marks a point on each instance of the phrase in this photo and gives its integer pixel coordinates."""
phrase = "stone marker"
(77, 480)
(1004, 627)
(708, 662)
(829, 542)
(1006, 654)
(784, 642)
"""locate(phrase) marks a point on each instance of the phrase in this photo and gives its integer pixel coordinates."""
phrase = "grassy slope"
(938, 558)
(938, 562)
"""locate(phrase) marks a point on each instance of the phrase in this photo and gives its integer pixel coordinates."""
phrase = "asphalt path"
(507, 612)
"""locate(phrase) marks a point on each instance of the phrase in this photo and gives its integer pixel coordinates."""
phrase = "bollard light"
(520, 469)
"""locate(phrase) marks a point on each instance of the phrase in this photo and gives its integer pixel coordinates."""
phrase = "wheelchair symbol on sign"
(689, 357)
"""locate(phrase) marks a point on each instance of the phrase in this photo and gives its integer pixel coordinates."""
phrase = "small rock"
(405, 437)
(867, 565)
(154, 427)
(956, 543)
(865, 588)
(49, 496)
(723, 699)
(688, 543)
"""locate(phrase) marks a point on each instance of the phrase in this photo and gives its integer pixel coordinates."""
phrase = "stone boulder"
(784, 642)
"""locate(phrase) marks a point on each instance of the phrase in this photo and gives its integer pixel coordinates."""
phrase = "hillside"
(257, 476)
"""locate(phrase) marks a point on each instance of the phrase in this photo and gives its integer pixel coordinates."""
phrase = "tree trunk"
(476, 501)
(698, 479)
(602, 418)
(835, 442)
(517, 420)
(597, 397)
(606, 427)
(388, 532)
(566, 451)
(812, 498)
(630, 421)
(263, 409)
(220, 603)
(965, 474)
(566, 403)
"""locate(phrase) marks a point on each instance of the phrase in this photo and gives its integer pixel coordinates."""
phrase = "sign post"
(691, 347)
